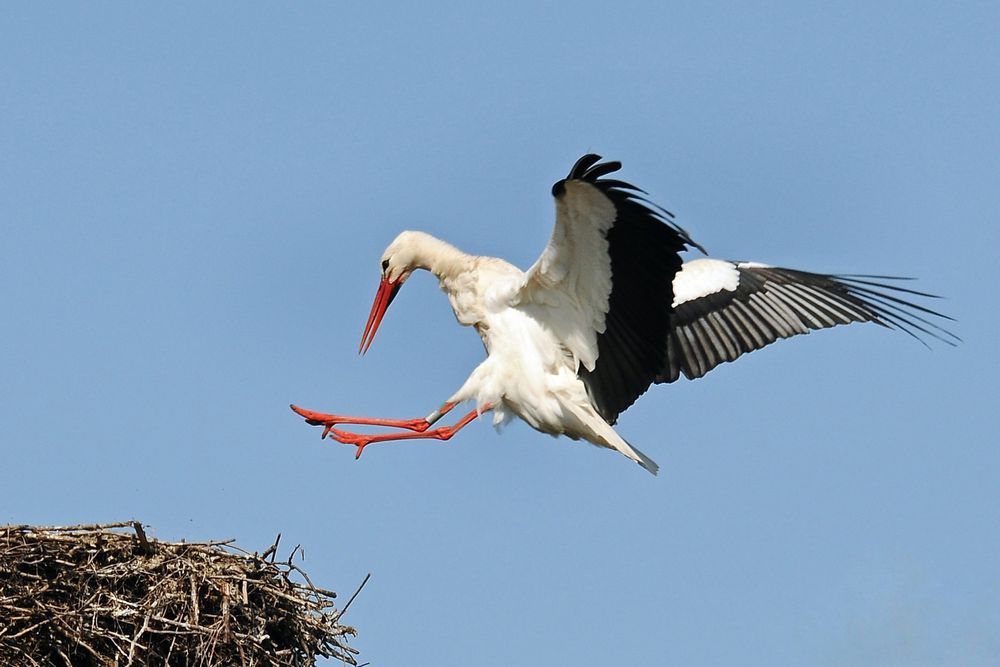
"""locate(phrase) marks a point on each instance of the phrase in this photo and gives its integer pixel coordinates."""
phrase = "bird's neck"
(442, 259)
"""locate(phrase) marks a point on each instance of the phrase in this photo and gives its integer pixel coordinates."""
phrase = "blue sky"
(194, 200)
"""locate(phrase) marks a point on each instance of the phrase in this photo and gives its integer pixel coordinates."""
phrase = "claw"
(314, 418)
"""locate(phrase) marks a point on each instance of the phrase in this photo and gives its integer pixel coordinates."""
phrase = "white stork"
(608, 309)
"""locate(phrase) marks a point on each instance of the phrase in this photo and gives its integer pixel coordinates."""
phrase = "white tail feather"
(607, 437)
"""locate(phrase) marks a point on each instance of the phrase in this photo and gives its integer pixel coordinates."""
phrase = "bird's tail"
(609, 438)
(640, 458)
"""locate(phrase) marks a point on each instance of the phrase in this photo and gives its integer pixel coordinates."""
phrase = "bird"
(609, 309)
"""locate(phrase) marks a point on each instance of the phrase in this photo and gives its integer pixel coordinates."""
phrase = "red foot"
(329, 421)
(419, 427)
(357, 439)
(361, 440)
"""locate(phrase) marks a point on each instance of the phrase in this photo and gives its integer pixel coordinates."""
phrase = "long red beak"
(387, 291)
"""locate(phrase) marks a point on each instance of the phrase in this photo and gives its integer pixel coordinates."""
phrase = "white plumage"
(607, 310)
(700, 277)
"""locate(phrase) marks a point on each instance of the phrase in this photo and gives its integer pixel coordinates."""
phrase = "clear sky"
(194, 198)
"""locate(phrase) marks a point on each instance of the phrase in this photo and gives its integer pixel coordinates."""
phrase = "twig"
(144, 544)
(135, 640)
(271, 550)
(344, 610)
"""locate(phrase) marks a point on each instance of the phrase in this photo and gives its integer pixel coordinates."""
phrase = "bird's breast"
(479, 293)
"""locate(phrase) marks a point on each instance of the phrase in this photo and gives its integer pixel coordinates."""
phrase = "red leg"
(329, 421)
(361, 441)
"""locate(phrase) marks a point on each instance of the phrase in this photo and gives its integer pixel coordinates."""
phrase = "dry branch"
(107, 595)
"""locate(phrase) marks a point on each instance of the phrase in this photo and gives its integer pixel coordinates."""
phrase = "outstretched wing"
(724, 309)
(604, 283)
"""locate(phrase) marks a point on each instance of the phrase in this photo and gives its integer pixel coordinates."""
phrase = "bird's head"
(397, 263)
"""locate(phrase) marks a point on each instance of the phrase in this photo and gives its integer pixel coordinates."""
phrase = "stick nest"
(101, 595)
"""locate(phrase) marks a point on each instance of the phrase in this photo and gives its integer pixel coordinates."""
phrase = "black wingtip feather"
(589, 168)
(602, 169)
(583, 164)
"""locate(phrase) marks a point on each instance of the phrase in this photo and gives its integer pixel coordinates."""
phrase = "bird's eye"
(385, 265)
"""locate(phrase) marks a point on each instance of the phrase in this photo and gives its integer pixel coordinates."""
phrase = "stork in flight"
(609, 309)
